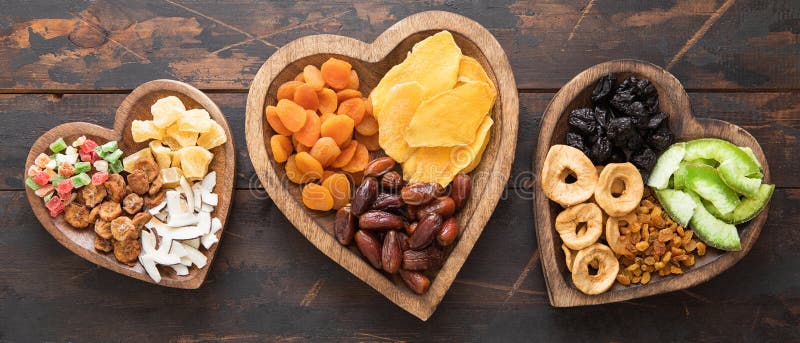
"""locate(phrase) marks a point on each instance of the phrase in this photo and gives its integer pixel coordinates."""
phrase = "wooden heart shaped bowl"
(371, 61)
(136, 106)
(672, 100)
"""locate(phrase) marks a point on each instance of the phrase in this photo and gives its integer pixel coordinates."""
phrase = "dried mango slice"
(452, 117)
(401, 103)
(433, 62)
(470, 69)
(442, 164)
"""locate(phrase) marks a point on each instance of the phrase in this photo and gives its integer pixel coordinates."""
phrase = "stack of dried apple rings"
(616, 192)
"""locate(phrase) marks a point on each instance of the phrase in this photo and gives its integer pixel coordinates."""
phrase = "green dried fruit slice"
(707, 183)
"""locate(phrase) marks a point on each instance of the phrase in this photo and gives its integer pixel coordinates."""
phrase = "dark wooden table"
(63, 61)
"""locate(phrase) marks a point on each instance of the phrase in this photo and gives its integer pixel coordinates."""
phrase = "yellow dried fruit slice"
(177, 139)
(167, 111)
(195, 120)
(450, 118)
(162, 154)
(142, 130)
(213, 138)
(401, 103)
(484, 133)
(471, 70)
(194, 162)
(129, 161)
(433, 62)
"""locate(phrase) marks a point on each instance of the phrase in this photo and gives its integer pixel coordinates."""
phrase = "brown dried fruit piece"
(109, 210)
(379, 166)
(607, 269)
(562, 161)
(127, 251)
(370, 247)
(380, 220)
(122, 228)
(93, 195)
(344, 226)
(102, 244)
(391, 253)
(138, 182)
(115, 187)
(416, 281)
(103, 229)
(568, 221)
(76, 215)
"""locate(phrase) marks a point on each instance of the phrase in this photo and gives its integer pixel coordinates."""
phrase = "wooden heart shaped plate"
(372, 61)
(136, 106)
(672, 100)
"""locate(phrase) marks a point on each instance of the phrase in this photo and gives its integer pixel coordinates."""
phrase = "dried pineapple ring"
(618, 206)
(615, 242)
(569, 256)
(561, 161)
(568, 221)
(607, 269)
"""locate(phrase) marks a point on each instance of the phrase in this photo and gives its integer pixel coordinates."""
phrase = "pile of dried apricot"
(323, 126)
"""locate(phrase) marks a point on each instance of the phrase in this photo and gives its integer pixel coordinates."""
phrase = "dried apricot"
(359, 161)
(300, 77)
(368, 126)
(326, 174)
(317, 197)
(368, 106)
(336, 73)
(275, 122)
(347, 94)
(281, 147)
(306, 96)
(339, 187)
(294, 174)
(313, 77)
(327, 101)
(286, 90)
(309, 134)
(325, 150)
(299, 147)
(346, 155)
(353, 108)
(353, 82)
(371, 142)
(308, 166)
(293, 116)
(325, 116)
(340, 128)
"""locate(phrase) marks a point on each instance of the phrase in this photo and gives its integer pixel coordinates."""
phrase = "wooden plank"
(268, 282)
(113, 44)
(770, 117)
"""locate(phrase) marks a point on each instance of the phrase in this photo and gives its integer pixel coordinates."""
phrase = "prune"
(634, 142)
(620, 127)
(602, 115)
(583, 120)
(656, 120)
(603, 88)
(617, 156)
(644, 159)
(661, 138)
(576, 141)
(600, 151)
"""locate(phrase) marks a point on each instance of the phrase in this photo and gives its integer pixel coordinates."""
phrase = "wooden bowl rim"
(421, 306)
(561, 292)
(123, 115)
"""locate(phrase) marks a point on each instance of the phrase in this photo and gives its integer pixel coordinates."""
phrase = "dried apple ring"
(561, 162)
(631, 195)
(615, 242)
(569, 220)
(607, 269)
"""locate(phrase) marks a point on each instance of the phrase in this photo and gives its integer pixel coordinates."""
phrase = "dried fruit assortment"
(624, 124)
(142, 206)
(402, 228)
(429, 113)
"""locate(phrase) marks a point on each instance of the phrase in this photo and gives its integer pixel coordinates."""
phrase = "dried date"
(365, 196)
(344, 226)
(380, 220)
(425, 231)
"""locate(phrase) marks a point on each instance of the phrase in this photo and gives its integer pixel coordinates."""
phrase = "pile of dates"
(402, 228)
(623, 124)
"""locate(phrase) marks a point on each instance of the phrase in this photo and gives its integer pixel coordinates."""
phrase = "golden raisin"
(339, 127)
(325, 151)
(275, 122)
(309, 134)
(281, 147)
(317, 197)
(306, 96)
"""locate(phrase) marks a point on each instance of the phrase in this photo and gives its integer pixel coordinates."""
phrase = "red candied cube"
(65, 187)
(55, 206)
(88, 146)
(86, 157)
(99, 178)
(41, 178)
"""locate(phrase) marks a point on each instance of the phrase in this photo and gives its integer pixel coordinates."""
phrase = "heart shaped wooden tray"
(672, 100)
(371, 61)
(136, 106)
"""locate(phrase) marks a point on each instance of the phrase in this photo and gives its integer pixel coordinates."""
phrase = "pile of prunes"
(624, 124)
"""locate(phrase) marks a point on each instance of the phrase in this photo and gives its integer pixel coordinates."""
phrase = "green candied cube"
(81, 180)
(31, 184)
(83, 167)
(48, 196)
(115, 167)
(99, 151)
(56, 179)
(59, 145)
(109, 147)
(113, 157)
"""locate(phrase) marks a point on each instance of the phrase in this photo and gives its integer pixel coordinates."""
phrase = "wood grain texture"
(136, 106)
(371, 61)
(672, 100)
(112, 44)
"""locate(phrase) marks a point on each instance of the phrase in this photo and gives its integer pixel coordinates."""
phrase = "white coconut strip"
(180, 269)
(149, 265)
